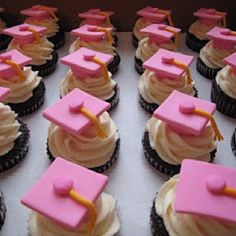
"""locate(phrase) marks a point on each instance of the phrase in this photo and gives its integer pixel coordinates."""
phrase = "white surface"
(133, 182)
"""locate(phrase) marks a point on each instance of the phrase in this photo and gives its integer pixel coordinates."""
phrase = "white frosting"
(213, 57)
(21, 91)
(183, 224)
(107, 223)
(2, 25)
(51, 24)
(227, 81)
(173, 147)
(86, 149)
(9, 129)
(155, 90)
(99, 46)
(140, 24)
(146, 49)
(39, 52)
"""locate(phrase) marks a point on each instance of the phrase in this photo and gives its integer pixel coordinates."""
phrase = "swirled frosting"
(21, 91)
(226, 79)
(183, 224)
(200, 29)
(39, 52)
(99, 46)
(213, 57)
(51, 24)
(173, 147)
(2, 25)
(97, 87)
(146, 49)
(107, 223)
(140, 24)
(86, 149)
(155, 90)
(9, 129)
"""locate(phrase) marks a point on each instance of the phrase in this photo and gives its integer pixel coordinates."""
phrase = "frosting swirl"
(107, 223)
(9, 129)
(155, 90)
(146, 49)
(140, 24)
(213, 57)
(97, 86)
(226, 80)
(173, 147)
(40, 52)
(183, 224)
(99, 46)
(86, 149)
(2, 25)
(21, 91)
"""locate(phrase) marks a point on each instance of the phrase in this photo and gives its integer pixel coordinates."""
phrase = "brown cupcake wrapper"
(135, 41)
(138, 64)
(58, 39)
(3, 210)
(194, 43)
(114, 65)
(233, 143)
(114, 100)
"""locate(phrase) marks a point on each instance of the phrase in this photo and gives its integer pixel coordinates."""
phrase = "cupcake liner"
(4, 41)
(58, 39)
(99, 169)
(233, 143)
(194, 43)
(114, 100)
(114, 65)
(48, 67)
(19, 150)
(3, 210)
(207, 72)
(32, 104)
(134, 41)
(138, 65)
(224, 103)
(155, 160)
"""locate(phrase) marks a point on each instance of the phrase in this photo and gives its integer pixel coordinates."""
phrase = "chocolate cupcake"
(223, 91)
(45, 16)
(171, 136)
(4, 39)
(100, 40)
(189, 203)
(165, 72)
(233, 142)
(3, 210)
(82, 132)
(196, 37)
(29, 41)
(210, 60)
(159, 36)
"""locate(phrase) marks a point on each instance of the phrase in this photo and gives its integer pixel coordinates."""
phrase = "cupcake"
(89, 73)
(100, 18)
(180, 129)
(199, 201)
(69, 200)
(28, 40)
(3, 210)
(149, 16)
(223, 91)
(27, 88)
(159, 36)
(97, 39)
(45, 16)
(165, 72)
(4, 39)
(196, 37)
(14, 135)
(82, 132)
(233, 142)
(222, 44)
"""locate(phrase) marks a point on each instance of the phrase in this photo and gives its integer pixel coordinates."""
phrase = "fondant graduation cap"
(231, 61)
(66, 193)
(4, 92)
(206, 189)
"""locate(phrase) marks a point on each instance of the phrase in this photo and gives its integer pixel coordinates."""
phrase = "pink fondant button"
(153, 9)
(211, 11)
(75, 106)
(216, 184)
(167, 59)
(92, 28)
(225, 31)
(24, 27)
(5, 57)
(89, 56)
(96, 10)
(187, 107)
(62, 186)
(161, 27)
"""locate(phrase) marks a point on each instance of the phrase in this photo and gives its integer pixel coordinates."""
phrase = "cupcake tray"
(133, 182)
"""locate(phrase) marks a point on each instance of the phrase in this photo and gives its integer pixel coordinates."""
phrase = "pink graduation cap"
(231, 61)
(96, 17)
(210, 16)
(206, 189)
(155, 15)
(168, 64)
(86, 62)
(12, 63)
(77, 111)
(160, 33)
(222, 38)
(4, 92)
(58, 194)
(25, 33)
(187, 115)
